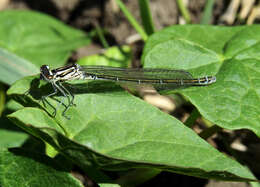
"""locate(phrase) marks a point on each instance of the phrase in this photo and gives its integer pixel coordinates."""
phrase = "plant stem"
(207, 13)
(132, 20)
(184, 11)
(147, 20)
(101, 36)
(209, 132)
(193, 117)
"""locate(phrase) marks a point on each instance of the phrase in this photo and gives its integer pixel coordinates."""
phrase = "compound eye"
(45, 72)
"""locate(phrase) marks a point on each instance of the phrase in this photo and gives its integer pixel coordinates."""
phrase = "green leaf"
(11, 135)
(114, 130)
(11, 138)
(13, 67)
(12, 105)
(113, 56)
(230, 53)
(21, 168)
(213, 38)
(38, 38)
(2, 98)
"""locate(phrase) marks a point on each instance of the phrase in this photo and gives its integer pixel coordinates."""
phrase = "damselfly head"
(46, 73)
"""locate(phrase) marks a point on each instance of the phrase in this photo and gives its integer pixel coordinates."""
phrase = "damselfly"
(164, 78)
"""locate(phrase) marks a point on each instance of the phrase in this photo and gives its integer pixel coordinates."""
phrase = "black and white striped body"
(70, 72)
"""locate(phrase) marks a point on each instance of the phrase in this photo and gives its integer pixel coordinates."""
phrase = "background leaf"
(13, 67)
(230, 53)
(32, 169)
(113, 56)
(39, 38)
(11, 138)
(11, 135)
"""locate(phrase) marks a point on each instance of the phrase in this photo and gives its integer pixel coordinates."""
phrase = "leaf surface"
(21, 168)
(33, 39)
(229, 53)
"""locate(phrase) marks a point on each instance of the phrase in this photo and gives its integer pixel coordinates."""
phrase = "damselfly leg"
(58, 87)
(66, 93)
(44, 100)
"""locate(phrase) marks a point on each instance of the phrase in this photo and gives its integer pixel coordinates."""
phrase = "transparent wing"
(135, 73)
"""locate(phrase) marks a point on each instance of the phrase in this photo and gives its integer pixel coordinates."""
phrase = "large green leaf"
(111, 129)
(230, 53)
(36, 37)
(19, 167)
